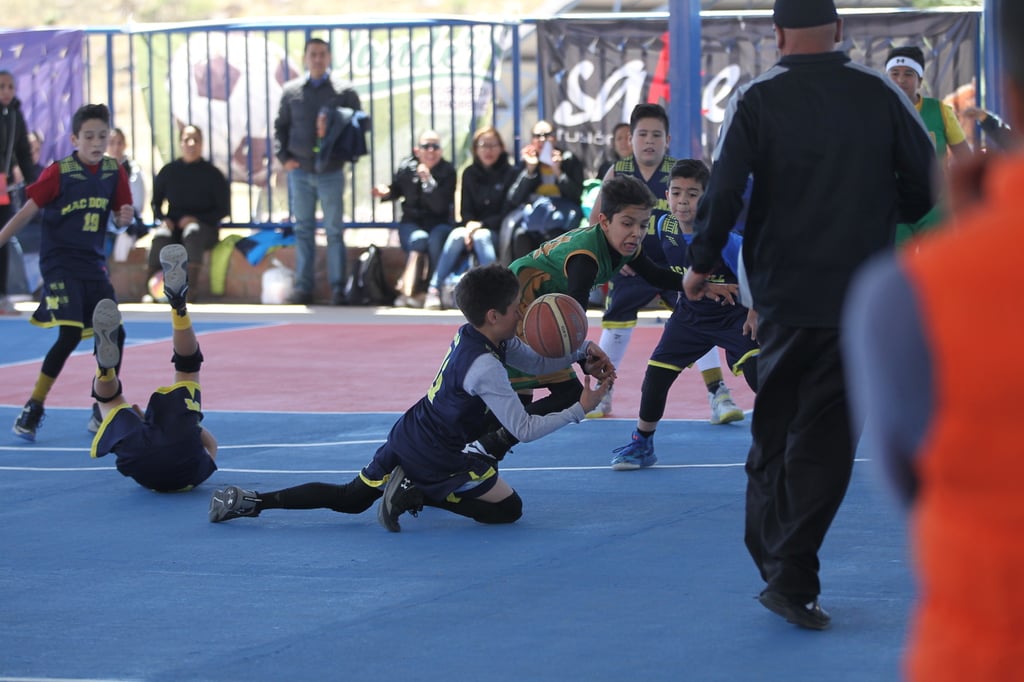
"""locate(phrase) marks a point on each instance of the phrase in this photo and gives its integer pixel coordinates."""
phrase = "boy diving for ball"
(574, 264)
(425, 460)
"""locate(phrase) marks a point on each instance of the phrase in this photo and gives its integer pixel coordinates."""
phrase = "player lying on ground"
(164, 448)
(426, 459)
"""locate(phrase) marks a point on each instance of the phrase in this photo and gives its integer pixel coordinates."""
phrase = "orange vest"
(968, 523)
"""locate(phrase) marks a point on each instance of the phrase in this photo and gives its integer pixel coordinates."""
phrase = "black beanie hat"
(804, 13)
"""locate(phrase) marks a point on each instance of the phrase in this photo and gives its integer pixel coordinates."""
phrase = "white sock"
(709, 360)
(614, 343)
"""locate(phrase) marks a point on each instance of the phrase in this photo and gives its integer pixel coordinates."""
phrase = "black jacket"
(14, 142)
(295, 125)
(838, 156)
(569, 183)
(485, 192)
(422, 206)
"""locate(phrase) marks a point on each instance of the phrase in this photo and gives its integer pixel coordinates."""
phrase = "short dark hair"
(692, 169)
(622, 191)
(646, 110)
(88, 112)
(488, 287)
(316, 41)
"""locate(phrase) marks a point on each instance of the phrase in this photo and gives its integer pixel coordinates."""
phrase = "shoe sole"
(780, 606)
(106, 320)
(729, 417)
(30, 436)
(173, 259)
(633, 466)
(384, 508)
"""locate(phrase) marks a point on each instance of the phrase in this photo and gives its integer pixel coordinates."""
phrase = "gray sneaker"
(233, 502)
(400, 496)
(106, 321)
(95, 419)
(174, 261)
(723, 409)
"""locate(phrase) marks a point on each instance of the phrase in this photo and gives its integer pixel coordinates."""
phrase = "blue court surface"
(608, 576)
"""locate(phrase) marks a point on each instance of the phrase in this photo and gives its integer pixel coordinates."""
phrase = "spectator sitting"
(547, 193)
(197, 198)
(425, 182)
(117, 149)
(485, 184)
(621, 148)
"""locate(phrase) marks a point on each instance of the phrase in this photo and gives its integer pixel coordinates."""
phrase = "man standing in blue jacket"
(296, 143)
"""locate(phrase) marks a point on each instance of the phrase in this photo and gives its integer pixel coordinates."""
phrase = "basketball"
(555, 325)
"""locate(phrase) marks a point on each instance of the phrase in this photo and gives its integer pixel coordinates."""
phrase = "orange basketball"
(555, 325)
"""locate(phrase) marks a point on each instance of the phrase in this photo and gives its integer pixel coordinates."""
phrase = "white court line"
(62, 679)
(16, 448)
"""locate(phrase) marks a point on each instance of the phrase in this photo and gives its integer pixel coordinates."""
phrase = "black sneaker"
(106, 325)
(174, 261)
(496, 444)
(300, 298)
(808, 615)
(233, 502)
(28, 421)
(400, 496)
(96, 419)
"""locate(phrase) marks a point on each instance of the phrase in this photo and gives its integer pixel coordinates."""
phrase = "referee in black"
(838, 156)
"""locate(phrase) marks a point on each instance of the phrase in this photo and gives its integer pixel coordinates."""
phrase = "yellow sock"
(42, 387)
(180, 322)
(106, 374)
(712, 376)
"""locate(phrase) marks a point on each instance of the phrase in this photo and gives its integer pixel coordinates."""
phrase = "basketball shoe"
(29, 419)
(231, 503)
(174, 261)
(603, 409)
(637, 454)
(723, 409)
(106, 324)
(400, 495)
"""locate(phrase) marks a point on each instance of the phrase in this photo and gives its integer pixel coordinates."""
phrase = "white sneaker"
(603, 409)
(433, 300)
(723, 409)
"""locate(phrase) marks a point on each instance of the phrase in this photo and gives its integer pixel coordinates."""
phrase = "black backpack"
(368, 285)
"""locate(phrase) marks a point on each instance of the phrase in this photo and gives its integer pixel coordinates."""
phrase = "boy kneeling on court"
(429, 459)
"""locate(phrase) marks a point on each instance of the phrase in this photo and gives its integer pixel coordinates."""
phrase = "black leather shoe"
(808, 615)
(339, 298)
(300, 298)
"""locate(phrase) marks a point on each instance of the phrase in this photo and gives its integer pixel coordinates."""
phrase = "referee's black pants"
(801, 459)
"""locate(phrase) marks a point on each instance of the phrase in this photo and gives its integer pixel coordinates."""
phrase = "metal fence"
(445, 75)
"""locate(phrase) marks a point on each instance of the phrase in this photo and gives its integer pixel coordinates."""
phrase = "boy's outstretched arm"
(22, 218)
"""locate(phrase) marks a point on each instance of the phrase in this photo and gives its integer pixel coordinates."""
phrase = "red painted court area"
(324, 367)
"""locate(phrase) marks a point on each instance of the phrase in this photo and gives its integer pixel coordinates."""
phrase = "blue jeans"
(455, 251)
(429, 240)
(304, 188)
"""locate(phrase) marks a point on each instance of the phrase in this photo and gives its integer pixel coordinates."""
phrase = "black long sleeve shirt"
(838, 156)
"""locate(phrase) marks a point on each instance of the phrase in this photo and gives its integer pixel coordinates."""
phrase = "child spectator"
(76, 196)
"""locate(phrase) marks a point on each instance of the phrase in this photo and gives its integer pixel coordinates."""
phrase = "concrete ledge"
(244, 280)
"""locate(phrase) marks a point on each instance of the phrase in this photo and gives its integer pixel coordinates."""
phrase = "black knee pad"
(107, 400)
(189, 364)
(508, 510)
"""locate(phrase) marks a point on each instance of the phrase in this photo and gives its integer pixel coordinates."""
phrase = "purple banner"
(47, 68)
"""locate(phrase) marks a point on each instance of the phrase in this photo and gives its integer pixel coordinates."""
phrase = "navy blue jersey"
(676, 244)
(75, 224)
(658, 184)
